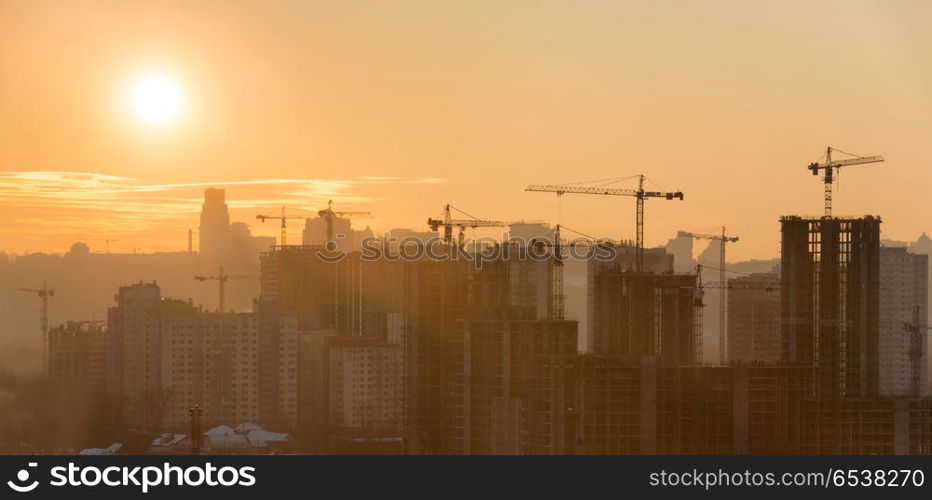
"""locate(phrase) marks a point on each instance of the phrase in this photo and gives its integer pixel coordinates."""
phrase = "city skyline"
(537, 227)
(410, 107)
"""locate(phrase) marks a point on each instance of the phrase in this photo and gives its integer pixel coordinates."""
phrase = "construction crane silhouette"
(44, 293)
(284, 223)
(915, 328)
(221, 279)
(765, 285)
(604, 189)
(557, 297)
(723, 292)
(328, 214)
(829, 165)
(448, 223)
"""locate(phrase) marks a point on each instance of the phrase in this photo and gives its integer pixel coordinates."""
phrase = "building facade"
(365, 381)
(904, 297)
(78, 358)
(754, 319)
(165, 355)
(213, 359)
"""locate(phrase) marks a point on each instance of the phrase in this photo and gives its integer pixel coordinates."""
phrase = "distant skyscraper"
(530, 280)
(754, 319)
(681, 248)
(830, 288)
(242, 242)
(903, 289)
(711, 256)
(214, 233)
(922, 245)
(528, 231)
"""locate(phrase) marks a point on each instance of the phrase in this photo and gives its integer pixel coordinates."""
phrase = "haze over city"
(400, 108)
(250, 228)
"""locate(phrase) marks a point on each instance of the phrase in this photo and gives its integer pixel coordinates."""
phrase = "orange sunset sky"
(398, 107)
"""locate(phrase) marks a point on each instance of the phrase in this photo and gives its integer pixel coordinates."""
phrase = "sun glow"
(157, 99)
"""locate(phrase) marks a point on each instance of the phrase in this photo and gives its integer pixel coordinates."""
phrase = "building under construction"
(333, 291)
(632, 405)
(643, 314)
(438, 296)
(331, 294)
(830, 274)
(635, 406)
(512, 389)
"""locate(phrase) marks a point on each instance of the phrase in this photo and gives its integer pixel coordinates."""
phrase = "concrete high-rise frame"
(830, 286)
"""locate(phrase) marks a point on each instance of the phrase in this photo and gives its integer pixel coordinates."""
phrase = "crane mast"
(640, 194)
(284, 223)
(221, 279)
(328, 214)
(723, 293)
(915, 329)
(43, 293)
(448, 222)
(557, 297)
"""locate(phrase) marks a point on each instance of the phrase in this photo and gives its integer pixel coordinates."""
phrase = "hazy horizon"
(399, 108)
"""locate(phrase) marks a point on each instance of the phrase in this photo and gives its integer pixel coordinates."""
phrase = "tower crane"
(221, 279)
(557, 297)
(829, 165)
(915, 328)
(283, 218)
(764, 285)
(723, 292)
(328, 214)
(448, 223)
(640, 194)
(44, 293)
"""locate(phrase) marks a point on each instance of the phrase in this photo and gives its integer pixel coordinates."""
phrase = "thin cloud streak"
(73, 202)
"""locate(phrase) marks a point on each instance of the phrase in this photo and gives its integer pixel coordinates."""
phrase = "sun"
(157, 99)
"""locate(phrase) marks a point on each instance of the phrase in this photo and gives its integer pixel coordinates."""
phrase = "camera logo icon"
(22, 477)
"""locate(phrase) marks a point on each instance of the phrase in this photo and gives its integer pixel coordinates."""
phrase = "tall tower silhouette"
(214, 240)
